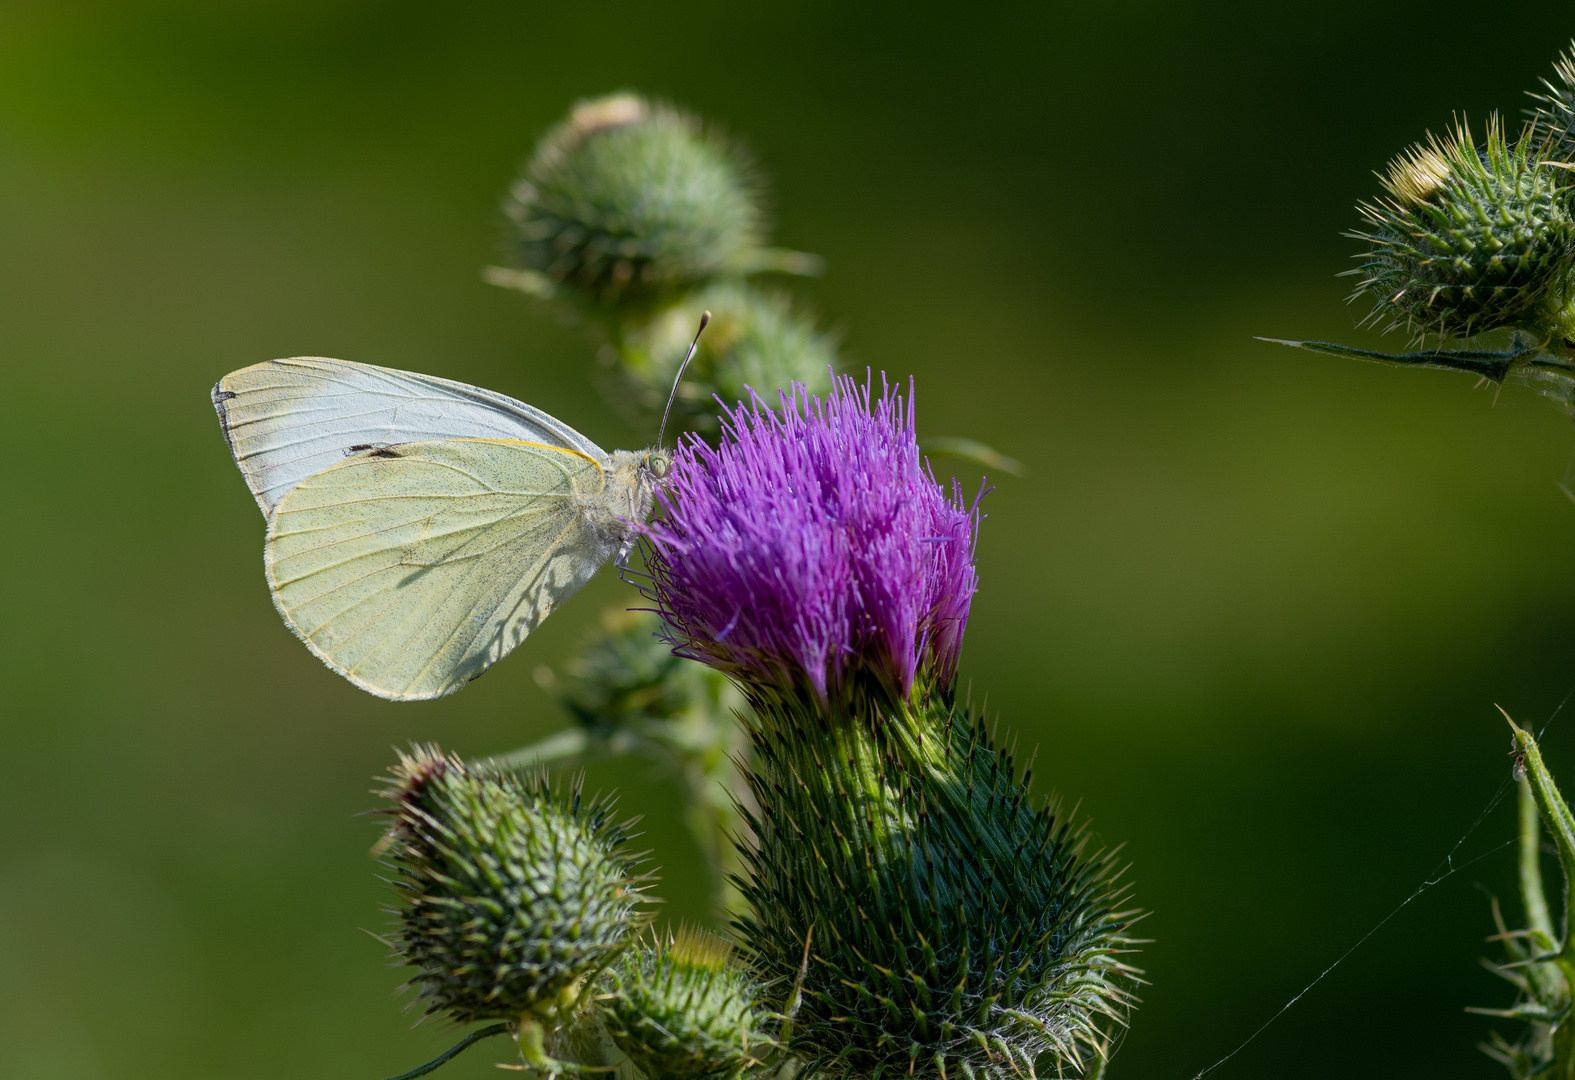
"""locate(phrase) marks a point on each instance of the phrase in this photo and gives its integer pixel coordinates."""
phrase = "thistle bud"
(1471, 239)
(755, 341)
(626, 687)
(508, 893)
(627, 200)
(941, 925)
(682, 1012)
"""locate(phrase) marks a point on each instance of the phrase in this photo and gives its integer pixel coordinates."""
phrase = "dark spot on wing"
(384, 452)
(357, 448)
(223, 395)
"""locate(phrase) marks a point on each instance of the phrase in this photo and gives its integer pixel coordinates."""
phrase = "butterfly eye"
(658, 465)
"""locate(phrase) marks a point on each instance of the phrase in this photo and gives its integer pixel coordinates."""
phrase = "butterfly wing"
(411, 570)
(285, 420)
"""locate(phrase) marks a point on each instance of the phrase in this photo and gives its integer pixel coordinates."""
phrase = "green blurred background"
(1253, 607)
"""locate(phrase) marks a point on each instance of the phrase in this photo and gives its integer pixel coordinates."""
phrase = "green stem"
(1556, 818)
(553, 750)
(1560, 823)
(1533, 896)
(464, 1044)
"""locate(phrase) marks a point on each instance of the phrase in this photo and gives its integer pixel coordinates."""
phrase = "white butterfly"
(419, 529)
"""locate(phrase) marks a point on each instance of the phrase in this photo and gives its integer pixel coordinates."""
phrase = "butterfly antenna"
(705, 320)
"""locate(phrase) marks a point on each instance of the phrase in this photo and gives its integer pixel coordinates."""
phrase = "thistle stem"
(454, 1051)
(1533, 896)
(1560, 823)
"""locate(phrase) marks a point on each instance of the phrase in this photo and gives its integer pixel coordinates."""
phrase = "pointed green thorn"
(1489, 365)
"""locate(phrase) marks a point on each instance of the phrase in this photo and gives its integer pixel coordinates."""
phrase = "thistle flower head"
(1470, 239)
(508, 893)
(812, 546)
(680, 1010)
(627, 201)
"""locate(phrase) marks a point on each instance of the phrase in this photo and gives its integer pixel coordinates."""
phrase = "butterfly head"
(657, 463)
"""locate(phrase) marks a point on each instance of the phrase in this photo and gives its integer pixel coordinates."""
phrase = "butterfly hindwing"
(411, 569)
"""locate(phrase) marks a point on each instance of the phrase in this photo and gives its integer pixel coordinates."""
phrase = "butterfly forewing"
(412, 569)
(286, 420)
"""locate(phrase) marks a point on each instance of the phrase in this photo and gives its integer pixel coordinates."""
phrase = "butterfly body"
(419, 529)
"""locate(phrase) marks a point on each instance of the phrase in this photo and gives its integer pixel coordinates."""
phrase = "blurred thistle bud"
(509, 894)
(681, 1011)
(628, 201)
(628, 693)
(813, 550)
(1471, 239)
(627, 690)
(755, 341)
(1553, 120)
(937, 924)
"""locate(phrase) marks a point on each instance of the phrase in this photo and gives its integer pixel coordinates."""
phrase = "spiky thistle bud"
(509, 894)
(629, 200)
(1553, 119)
(1471, 239)
(681, 1011)
(756, 341)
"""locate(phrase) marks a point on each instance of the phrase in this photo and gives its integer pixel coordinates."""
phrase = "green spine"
(951, 928)
(508, 893)
(1470, 239)
(1553, 120)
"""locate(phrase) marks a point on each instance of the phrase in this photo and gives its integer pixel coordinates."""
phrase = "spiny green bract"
(627, 200)
(1470, 239)
(1543, 1002)
(951, 929)
(755, 340)
(508, 893)
(1553, 120)
(682, 1012)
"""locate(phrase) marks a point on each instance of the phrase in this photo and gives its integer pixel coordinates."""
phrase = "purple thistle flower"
(814, 544)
